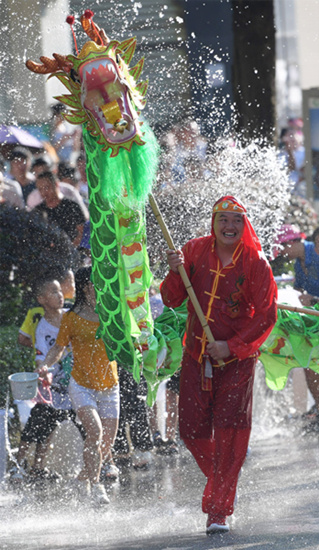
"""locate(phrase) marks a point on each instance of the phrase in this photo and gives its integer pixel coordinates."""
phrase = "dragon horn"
(64, 63)
(92, 30)
(104, 36)
(46, 67)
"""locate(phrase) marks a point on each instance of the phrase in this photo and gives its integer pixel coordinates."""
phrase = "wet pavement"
(160, 509)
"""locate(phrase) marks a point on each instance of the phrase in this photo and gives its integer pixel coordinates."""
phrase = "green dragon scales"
(106, 99)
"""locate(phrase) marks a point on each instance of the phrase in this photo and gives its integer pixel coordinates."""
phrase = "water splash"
(251, 172)
(274, 413)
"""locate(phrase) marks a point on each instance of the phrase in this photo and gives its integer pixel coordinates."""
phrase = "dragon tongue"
(111, 112)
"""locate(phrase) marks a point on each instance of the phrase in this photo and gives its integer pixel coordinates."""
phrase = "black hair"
(58, 272)
(40, 161)
(315, 234)
(57, 109)
(40, 284)
(82, 279)
(65, 170)
(2, 163)
(20, 152)
(48, 175)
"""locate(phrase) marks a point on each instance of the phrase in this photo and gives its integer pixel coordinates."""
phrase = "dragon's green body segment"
(119, 259)
(121, 273)
(293, 342)
(106, 98)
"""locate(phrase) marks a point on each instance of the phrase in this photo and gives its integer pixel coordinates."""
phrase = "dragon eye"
(75, 77)
(118, 58)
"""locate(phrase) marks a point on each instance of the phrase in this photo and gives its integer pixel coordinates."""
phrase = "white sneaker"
(141, 459)
(98, 494)
(82, 488)
(109, 471)
(17, 473)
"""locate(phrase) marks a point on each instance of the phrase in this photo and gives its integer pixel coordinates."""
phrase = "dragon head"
(104, 93)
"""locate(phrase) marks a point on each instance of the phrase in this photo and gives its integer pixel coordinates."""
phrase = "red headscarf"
(230, 204)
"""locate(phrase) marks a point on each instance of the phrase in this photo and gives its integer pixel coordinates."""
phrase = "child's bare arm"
(24, 340)
(53, 355)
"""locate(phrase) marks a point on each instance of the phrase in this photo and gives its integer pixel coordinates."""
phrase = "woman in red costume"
(237, 292)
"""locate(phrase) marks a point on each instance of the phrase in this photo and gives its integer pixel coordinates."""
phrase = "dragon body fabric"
(293, 342)
(106, 99)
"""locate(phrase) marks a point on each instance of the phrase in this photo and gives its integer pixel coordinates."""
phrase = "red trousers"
(215, 425)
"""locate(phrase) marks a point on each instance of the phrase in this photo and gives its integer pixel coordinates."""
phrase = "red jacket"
(238, 301)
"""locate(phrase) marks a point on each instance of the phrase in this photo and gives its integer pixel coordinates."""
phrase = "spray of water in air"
(194, 172)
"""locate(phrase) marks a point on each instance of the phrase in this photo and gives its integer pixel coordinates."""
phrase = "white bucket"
(24, 385)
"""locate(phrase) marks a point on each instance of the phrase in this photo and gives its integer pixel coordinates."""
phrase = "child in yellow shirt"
(93, 388)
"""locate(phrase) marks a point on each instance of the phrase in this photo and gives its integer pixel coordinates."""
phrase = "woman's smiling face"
(228, 228)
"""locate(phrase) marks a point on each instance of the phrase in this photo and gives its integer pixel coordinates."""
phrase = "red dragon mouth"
(105, 96)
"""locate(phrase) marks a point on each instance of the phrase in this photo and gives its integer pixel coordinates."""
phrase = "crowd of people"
(101, 398)
(62, 189)
(185, 155)
(304, 251)
(53, 184)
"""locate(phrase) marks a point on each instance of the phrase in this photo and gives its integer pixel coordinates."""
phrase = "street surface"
(160, 509)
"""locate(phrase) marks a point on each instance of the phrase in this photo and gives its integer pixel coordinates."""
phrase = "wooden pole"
(183, 274)
(299, 309)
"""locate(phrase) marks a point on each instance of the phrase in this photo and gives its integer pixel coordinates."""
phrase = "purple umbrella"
(12, 136)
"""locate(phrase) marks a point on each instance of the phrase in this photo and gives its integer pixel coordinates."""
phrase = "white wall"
(30, 28)
(307, 22)
(56, 38)
(20, 39)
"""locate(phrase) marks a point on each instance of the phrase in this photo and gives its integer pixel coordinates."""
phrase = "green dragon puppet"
(122, 156)
(106, 99)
